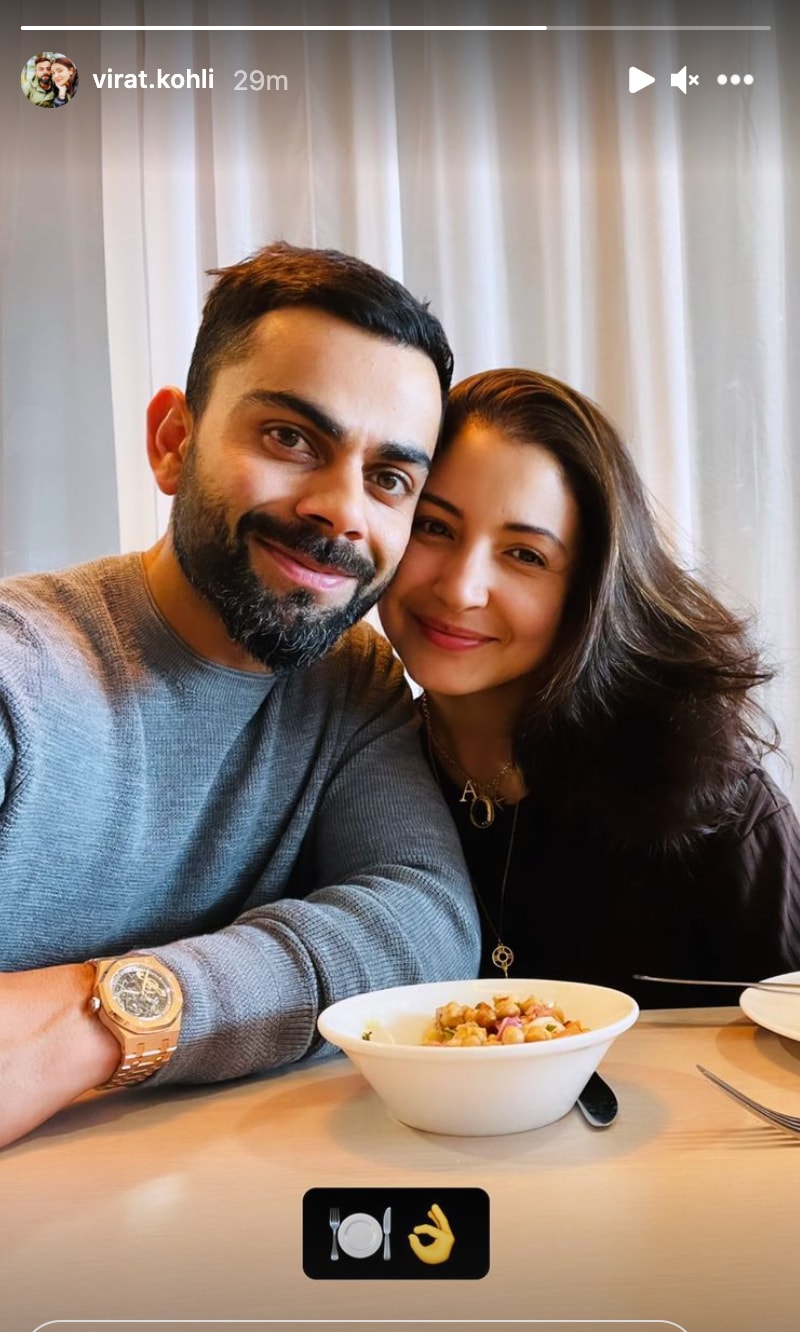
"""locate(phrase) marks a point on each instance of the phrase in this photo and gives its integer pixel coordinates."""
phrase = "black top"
(729, 909)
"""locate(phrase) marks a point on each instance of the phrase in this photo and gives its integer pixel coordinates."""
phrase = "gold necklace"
(483, 797)
(502, 955)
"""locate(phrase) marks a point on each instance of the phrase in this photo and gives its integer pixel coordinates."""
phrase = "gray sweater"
(279, 843)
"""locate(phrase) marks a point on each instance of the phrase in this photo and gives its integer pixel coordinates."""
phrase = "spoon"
(597, 1103)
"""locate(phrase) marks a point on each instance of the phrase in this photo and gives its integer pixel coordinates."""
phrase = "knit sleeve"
(20, 681)
(381, 898)
(6, 754)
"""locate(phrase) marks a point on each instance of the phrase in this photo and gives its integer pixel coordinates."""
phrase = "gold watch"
(139, 999)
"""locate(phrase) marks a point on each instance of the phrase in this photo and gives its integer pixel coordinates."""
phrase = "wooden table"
(186, 1205)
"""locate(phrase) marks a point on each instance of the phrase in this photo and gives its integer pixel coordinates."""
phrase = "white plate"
(360, 1235)
(777, 1012)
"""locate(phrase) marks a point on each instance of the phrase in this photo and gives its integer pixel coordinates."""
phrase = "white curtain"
(644, 248)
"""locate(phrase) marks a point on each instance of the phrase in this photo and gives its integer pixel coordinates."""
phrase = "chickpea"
(471, 1030)
(513, 1036)
(450, 1015)
(506, 1008)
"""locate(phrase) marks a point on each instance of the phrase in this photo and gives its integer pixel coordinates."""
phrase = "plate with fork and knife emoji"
(359, 1235)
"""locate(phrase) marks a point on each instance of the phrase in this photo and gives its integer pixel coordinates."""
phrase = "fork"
(334, 1221)
(777, 1117)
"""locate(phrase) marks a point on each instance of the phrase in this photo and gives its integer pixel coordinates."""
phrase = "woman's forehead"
(493, 479)
(483, 458)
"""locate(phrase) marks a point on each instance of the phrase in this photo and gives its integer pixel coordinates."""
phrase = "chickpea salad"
(504, 1021)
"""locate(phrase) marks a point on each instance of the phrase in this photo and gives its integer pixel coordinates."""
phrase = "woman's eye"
(430, 527)
(524, 555)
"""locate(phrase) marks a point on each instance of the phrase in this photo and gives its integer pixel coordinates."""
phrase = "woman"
(65, 78)
(588, 710)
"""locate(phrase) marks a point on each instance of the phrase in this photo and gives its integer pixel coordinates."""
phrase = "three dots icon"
(735, 79)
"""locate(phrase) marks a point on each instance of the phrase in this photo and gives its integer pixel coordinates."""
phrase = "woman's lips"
(450, 636)
(303, 571)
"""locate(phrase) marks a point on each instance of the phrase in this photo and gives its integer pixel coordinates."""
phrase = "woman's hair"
(67, 63)
(641, 725)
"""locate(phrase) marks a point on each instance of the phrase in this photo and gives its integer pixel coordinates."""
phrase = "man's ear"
(169, 432)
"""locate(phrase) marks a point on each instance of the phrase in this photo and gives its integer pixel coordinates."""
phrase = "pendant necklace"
(484, 797)
(502, 956)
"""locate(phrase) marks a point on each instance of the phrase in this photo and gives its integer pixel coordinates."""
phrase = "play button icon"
(638, 79)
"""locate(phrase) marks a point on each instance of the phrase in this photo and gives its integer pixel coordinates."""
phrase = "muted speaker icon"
(678, 80)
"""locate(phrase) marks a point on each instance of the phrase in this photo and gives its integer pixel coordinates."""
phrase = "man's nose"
(334, 499)
(463, 581)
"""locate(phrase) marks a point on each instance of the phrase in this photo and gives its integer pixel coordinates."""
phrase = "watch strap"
(140, 1063)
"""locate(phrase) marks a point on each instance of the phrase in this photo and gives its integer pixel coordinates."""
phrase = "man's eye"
(286, 436)
(394, 483)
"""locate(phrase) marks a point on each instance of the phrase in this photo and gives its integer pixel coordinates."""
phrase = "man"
(40, 88)
(200, 760)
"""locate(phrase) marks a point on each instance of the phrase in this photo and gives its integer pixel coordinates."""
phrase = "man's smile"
(304, 571)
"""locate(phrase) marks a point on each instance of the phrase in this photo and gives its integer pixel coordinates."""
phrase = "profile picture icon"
(49, 79)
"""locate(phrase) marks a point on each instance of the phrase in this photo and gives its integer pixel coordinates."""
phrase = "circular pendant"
(503, 958)
(481, 812)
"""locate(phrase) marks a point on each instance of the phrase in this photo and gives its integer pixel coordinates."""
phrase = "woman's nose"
(463, 582)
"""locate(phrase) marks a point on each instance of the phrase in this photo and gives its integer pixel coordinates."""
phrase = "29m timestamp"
(255, 80)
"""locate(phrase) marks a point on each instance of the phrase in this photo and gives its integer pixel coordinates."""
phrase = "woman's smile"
(450, 637)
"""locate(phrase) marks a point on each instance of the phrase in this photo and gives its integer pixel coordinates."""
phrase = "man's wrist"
(84, 1053)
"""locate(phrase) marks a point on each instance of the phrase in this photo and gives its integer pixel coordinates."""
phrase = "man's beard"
(282, 630)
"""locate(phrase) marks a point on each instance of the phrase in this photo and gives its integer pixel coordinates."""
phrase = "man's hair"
(43, 55)
(282, 275)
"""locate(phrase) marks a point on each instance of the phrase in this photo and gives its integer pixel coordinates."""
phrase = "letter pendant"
(481, 808)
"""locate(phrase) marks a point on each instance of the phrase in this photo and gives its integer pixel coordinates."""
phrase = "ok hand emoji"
(441, 1241)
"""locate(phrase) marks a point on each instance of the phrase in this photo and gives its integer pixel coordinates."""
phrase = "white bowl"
(475, 1090)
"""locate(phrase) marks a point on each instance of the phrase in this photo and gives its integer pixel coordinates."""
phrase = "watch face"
(141, 992)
